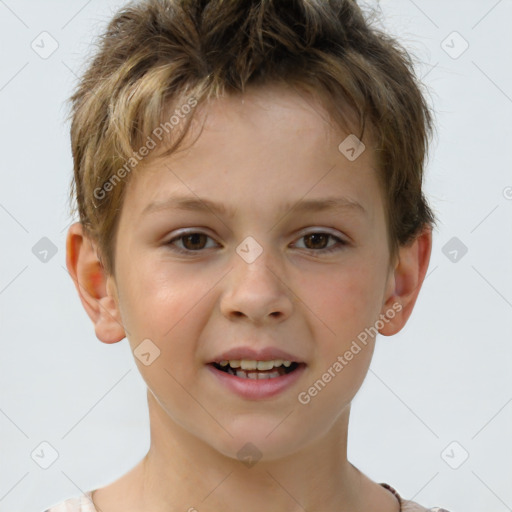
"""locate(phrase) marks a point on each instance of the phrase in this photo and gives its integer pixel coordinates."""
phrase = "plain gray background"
(434, 416)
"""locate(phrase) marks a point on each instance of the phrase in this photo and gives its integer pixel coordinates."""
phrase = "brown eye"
(194, 241)
(190, 242)
(316, 240)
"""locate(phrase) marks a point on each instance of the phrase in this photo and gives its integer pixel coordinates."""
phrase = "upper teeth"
(247, 364)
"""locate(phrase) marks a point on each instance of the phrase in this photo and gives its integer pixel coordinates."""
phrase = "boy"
(289, 138)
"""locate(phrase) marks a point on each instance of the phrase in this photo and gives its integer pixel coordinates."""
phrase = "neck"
(182, 472)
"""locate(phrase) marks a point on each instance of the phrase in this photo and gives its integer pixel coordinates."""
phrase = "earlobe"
(406, 282)
(95, 288)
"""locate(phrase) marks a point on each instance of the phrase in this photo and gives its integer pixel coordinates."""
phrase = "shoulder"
(82, 503)
(410, 506)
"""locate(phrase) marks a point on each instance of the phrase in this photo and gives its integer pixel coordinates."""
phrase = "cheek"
(169, 305)
(342, 300)
(157, 297)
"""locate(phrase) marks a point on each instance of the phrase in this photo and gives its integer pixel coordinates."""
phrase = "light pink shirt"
(84, 503)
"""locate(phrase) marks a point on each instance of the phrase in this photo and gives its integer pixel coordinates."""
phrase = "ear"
(404, 283)
(97, 290)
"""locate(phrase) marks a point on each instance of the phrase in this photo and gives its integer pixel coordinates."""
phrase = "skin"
(256, 153)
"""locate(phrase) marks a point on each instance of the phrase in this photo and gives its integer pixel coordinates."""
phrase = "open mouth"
(270, 370)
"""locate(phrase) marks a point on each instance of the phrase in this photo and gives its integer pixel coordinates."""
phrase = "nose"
(256, 292)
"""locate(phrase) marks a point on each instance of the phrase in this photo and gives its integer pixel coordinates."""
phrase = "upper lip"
(264, 354)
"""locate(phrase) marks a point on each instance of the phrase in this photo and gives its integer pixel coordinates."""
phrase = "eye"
(193, 241)
(318, 241)
(196, 241)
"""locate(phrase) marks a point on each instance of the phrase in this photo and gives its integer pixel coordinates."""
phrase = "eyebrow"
(190, 203)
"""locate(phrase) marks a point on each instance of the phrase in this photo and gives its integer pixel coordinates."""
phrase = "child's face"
(257, 158)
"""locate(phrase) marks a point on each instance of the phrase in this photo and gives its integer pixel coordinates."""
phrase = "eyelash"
(340, 245)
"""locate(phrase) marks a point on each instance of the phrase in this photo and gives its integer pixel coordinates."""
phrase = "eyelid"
(324, 230)
(321, 229)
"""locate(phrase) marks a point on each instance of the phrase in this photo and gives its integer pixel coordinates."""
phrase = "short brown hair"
(160, 55)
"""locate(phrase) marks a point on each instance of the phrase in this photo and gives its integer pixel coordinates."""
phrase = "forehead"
(274, 108)
(270, 144)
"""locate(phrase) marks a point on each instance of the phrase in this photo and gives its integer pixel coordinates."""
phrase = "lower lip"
(254, 389)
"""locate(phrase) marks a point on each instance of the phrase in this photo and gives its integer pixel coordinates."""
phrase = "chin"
(257, 441)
